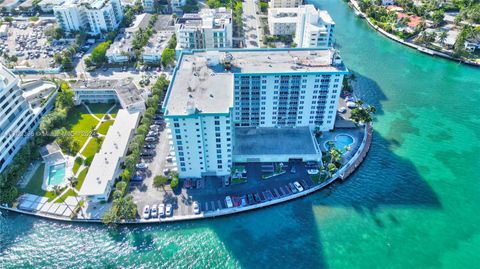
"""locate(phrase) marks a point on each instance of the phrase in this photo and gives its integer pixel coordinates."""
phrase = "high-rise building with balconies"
(250, 105)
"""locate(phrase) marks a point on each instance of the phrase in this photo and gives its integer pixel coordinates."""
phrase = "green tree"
(168, 57)
(160, 181)
(98, 53)
(443, 37)
(438, 16)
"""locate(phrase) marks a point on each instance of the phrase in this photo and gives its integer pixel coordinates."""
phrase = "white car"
(196, 207)
(298, 186)
(161, 210)
(342, 109)
(312, 171)
(168, 210)
(169, 159)
(228, 201)
(154, 211)
(141, 166)
(146, 212)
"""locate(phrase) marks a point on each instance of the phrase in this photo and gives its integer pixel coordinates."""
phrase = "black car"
(257, 198)
(149, 146)
(250, 199)
(147, 152)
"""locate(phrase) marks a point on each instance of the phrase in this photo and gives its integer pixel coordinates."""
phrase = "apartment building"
(93, 17)
(220, 102)
(177, 4)
(310, 27)
(207, 29)
(148, 5)
(314, 28)
(282, 21)
(284, 3)
(121, 50)
(21, 107)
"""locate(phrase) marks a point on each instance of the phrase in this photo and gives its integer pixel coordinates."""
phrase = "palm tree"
(443, 36)
(73, 181)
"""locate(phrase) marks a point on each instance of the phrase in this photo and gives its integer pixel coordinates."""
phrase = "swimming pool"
(341, 141)
(56, 174)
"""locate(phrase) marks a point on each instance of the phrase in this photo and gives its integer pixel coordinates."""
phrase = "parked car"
(292, 187)
(250, 199)
(342, 109)
(312, 171)
(298, 186)
(196, 207)
(141, 166)
(149, 146)
(154, 211)
(226, 181)
(151, 139)
(146, 212)
(161, 210)
(168, 210)
(166, 171)
(137, 178)
(169, 159)
(257, 198)
(152, 133)
(229, 202)
(147, 152)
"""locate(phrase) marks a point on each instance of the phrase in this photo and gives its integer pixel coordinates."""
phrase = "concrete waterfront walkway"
(342, 173)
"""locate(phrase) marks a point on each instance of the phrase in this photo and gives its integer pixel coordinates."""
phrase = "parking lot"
(30, 45)
(211, 192)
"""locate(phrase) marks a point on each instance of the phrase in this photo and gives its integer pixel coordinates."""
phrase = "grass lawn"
(103, 128)
(70, 192)
(238, 180)
(81, 178)
(91, 148)
(34, 186)
(80, 123)
(99, 109)
(78, 162)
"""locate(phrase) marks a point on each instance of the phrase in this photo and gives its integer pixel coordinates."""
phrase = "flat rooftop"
(201, 80)
(126, 90)
(106, 162)
(273, 141)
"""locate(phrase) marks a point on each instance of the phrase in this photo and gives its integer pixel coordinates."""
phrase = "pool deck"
(353, 159)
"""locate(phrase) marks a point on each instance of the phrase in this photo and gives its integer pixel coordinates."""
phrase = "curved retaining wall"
(342, 173)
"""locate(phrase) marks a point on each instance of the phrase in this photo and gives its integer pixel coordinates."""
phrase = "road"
(251, 23)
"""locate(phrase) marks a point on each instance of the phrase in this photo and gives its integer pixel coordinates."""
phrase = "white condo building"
(250, 105)
(312, 28)
(21, 108)
(284, 3)
(208, 29)
(93, 17)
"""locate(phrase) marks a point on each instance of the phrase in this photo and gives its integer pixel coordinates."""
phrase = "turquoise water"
(56, 174)
(413, 203)
(341, 141)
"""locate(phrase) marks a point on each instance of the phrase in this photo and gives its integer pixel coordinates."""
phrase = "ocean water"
(414, 202)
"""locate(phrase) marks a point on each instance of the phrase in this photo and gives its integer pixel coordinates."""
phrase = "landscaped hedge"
(123, 207)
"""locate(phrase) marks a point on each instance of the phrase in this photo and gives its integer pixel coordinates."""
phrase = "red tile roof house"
(412, 24)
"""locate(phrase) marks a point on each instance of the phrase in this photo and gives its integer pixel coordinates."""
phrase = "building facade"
(282, 21)
(314, 28)
(93, 17)
(213, 93)
(208, 29)
(21, 111)
(284, 3)
(310, 27)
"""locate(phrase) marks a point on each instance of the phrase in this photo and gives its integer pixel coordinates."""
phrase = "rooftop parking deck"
(274, 141)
